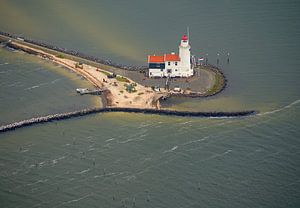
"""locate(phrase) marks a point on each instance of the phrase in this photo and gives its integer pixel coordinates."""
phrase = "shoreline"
(116, 95)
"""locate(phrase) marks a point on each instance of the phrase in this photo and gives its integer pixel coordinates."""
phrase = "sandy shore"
(116, 93)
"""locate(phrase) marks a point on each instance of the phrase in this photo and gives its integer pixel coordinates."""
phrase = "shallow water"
(116, 159)
(31, 86)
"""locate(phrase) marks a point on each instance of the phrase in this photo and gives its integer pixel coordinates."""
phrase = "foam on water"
(84, 171)
(195, 141)
(32, 87)
(73, 200)
(280, 109)
(171, 150)
(111, 139)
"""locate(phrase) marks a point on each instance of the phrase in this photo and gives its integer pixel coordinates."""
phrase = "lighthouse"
(172, 65)
(185, 56)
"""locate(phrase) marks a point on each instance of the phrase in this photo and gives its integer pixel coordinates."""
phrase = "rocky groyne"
(63, 116)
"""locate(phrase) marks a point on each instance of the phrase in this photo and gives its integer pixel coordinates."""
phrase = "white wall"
(156, 73)
(175, 69)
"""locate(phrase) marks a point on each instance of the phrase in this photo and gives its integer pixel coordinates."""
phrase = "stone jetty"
(62, 116)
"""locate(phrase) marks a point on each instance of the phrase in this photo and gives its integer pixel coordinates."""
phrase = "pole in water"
(218, 61)
(228, 58)
(206, 59)
(104, 171)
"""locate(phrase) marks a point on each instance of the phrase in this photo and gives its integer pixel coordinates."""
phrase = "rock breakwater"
(62, 116)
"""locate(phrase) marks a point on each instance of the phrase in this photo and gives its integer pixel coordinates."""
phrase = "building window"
(169, 63)
(176, 63)
(175, 69)
(161, 70)
(169, 71)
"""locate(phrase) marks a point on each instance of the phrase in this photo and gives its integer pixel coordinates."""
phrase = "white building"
(172, 65)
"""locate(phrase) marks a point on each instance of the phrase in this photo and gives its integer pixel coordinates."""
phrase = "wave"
(24, 150)
(4, 64)
(143, 125)
(130, 177)
(132, 140)
(74, 200)
(108, 140)
(4, 72)
(33, 87)
(186, 122)
(217, 155)
(36, 69)
(39, 85)
(14, 84)
(195, 141)
(54, 161)
(171, 150)
(56, 80)
(84, 171)
(36, 182)
(280, 109)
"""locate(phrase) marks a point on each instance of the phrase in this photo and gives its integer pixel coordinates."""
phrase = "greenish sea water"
(136, 160)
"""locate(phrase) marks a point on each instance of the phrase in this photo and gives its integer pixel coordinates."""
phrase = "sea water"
(123, 159)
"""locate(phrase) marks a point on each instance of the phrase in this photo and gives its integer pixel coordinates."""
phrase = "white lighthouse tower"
(185, 57)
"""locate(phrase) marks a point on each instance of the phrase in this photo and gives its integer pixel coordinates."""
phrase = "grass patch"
(219, 84)
(122, 79)
(60, 56)
(106, 73)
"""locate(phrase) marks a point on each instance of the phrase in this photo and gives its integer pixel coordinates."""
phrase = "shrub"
(60, 56)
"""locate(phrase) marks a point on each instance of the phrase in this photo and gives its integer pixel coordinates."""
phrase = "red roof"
(162, 59)
(172, 57)
(156, 59)
(184, 37)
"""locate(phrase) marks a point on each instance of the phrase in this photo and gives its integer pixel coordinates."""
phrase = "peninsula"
(135, 90)
(135, 93)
